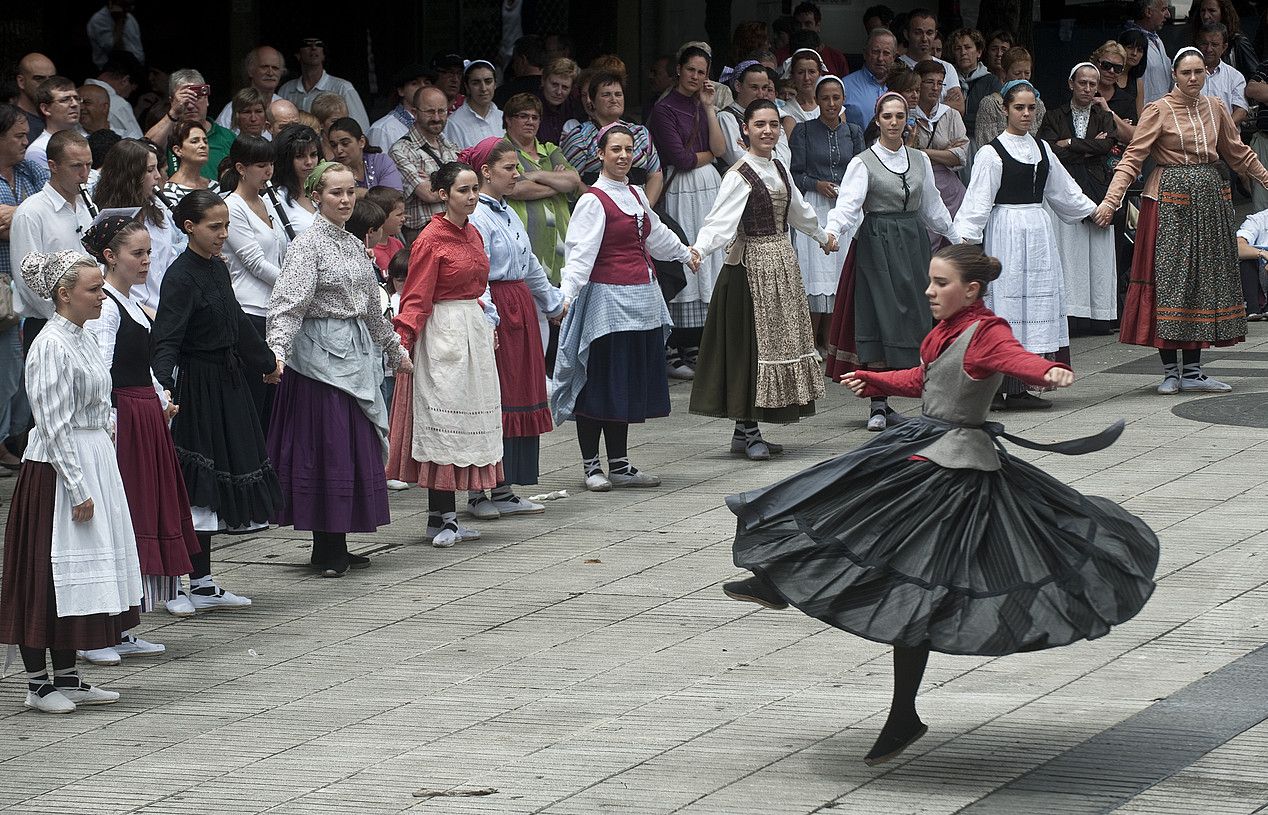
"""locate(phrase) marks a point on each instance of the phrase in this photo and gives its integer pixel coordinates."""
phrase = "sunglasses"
(1116, 67)
(312, 43)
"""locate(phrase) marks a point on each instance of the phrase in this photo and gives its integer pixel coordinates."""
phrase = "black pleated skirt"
(901, 550)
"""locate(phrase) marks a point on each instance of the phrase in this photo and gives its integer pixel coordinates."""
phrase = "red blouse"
(446, 262)
(993, 349)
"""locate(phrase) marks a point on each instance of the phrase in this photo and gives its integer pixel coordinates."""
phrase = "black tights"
(34, 662)
(1191, 356)
(201, 562)
(616, 437)
(329, 547)
(440, 502)
(909, 669)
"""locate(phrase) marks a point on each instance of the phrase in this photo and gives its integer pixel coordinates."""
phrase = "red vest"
(622, 258)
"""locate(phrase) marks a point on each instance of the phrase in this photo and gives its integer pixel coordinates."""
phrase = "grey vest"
(951, 395)
(888, 191)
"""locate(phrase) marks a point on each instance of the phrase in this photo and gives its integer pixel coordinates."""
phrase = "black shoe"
(358, 561)
(1025, 401)
(998, 403)
(336, 568)
(755, 589)
(893, 740)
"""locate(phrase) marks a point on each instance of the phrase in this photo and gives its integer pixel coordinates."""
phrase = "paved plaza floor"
(585, 661)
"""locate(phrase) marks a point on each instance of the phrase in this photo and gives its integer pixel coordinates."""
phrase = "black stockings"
(616, 438)
(1191, 356)
(440, 502)
(34, 662)
(903, 726)
(201, 562)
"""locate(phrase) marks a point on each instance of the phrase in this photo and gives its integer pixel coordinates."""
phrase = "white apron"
(1030, 292)
(457, 397)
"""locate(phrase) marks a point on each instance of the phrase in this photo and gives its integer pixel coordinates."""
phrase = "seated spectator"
(420, 153)
(94, 109)
(449, 70)
(249, 116)
(580, 145)
(113, 28)
(190, 95)
(313, 80)
(922, 32)
(997, 44)
(1241, 53)
(370, 166)
(880, 16)
(297, 149)
(1252, 254)
(809, 18)
(191, 152)
(59, 105)
(99, 144)
(479, 117)
(282, 114)
(528, 61)
(388, 242)
(863, 88)
(976, 80)
(33, 69)
(265, 68)
(120, 78)
(804, 68)
(940, 134)
(130, 178)
(558, 103)
(541, 197)
(328, 108)
(396, 122)
(1223, 81)
(991, 117)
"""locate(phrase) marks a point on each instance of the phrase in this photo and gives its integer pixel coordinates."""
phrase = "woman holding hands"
(1185, 292)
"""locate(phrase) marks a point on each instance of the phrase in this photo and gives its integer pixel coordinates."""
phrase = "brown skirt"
(28, 603)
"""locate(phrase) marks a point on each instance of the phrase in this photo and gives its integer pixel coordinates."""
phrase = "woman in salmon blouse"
(449, 436)
(1185, 291)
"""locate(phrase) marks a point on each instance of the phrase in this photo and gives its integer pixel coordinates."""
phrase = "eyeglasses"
(312, 42)
(1116, 67)
(527, 117)
(932, 83)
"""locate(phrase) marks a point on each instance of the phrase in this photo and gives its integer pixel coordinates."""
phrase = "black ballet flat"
(358, 561)
(755, 590)
(889, 745)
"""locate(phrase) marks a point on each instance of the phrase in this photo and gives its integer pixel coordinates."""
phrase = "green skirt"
(725, 385)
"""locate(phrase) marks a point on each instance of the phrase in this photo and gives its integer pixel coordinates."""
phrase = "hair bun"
(993, 267)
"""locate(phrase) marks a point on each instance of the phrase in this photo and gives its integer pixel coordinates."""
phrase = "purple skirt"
(328, 458)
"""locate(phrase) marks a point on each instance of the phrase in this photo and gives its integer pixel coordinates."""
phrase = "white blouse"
(793, 110)
(253, 252)
(105, 329)
(723, 221)
(588, 223)
(69, 389)
(1061, 193)
(300, 218)
(847, 214)
(166, 244)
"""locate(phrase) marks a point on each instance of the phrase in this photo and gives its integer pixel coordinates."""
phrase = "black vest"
(130, 366)
(1021, 183)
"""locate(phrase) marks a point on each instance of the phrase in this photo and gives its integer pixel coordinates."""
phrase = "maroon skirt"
(28, 603)
(843, 354)
(521, 361)
(159, 504)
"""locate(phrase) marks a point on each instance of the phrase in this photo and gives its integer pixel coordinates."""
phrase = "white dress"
(1030, 292)
(95, 565)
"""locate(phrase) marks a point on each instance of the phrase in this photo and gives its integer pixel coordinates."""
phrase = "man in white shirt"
(52, 220)
(119, 78)
(58, 99)
(113, 28)
(1223, 81)
(314, 80)
(265, 67)
(922, 32)
(391, 128)
(1150, 16)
